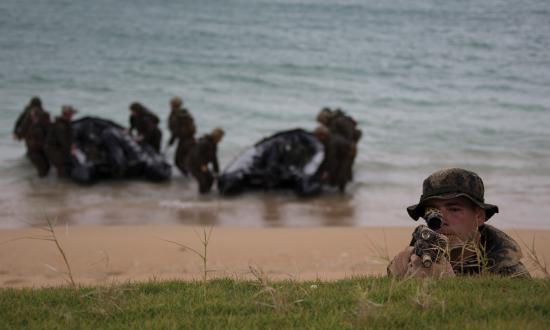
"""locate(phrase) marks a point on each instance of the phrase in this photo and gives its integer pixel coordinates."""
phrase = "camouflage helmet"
(451, 183)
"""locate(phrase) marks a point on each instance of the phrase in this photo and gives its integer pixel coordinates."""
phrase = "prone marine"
(456, 197)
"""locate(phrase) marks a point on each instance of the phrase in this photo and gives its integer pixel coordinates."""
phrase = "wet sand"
(101, 255)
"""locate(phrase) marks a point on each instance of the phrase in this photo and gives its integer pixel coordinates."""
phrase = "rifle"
(429, 245)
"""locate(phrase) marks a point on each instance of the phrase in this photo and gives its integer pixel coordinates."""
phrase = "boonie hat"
(451, 183)
(68, 109)
(176, 101)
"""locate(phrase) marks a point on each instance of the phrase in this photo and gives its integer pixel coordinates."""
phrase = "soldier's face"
(461, 218)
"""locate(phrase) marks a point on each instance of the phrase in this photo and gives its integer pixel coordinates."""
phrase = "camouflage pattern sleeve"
(18, 128)
(504, 253)
(518, 270)
(399, 265)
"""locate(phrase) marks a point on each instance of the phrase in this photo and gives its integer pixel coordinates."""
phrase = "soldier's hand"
(204, 168)
(400, 263)
(442, 268)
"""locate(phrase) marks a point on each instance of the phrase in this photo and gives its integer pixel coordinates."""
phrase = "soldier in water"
(145, 123)
(182, 128)
(341, 124)
(32, 126)
(59, 142)
(336, 167)
(204, 153)
(19, 126)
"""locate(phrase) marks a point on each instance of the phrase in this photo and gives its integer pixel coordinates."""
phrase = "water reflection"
(290, 210)
(31, 201)
(201, 210)
(334, 210)
(44, 199)
(271, 209)
(198, 215)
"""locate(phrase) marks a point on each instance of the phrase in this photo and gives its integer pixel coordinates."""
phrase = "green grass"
(369, 302)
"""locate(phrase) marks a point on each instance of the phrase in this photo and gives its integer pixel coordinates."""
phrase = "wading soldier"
(203, 153)
(341, 124)
(145, 123)
(335, 170)
(59, 143)
(182, 128)
(35, 130)
(19, 126)
(456, 195)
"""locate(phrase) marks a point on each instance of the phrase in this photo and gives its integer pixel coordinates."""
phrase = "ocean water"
(432, 84)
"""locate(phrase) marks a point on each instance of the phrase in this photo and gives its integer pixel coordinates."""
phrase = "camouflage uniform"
(203, 152)
(18, 128)
(343, 125)
(500, 255)
(340, 123)
(182, 128)
(496, 253)
(338, 160)
(34, 129)
(146, 123)
(58, 145)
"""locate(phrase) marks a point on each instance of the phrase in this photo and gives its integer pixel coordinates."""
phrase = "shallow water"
(432, 84)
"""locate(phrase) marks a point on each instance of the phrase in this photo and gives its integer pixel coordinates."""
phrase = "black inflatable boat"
(288, 159)
(105, 150)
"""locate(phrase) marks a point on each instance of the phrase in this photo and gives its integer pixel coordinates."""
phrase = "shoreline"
(177, 203)
(102, 255)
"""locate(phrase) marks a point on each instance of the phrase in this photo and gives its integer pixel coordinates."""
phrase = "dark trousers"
(40, 161)
(182, 151)
(204, 179)
(61, 161)
(153, 139)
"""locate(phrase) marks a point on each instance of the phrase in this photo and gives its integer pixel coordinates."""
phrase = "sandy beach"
(101, 255)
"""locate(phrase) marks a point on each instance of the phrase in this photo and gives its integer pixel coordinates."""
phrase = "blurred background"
(432, 84)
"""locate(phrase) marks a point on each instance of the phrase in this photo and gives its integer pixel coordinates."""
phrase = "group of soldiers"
(52, 143)
(193, 156)
(47, 142)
